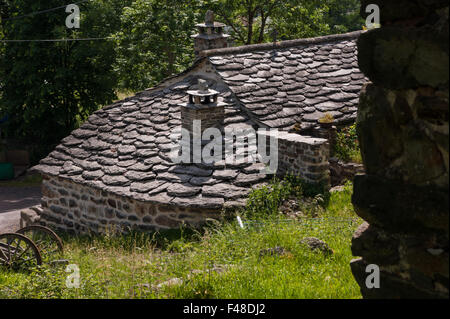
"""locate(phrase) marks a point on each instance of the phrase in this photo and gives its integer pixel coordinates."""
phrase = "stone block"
(402, 58)
(401, 207)
(29, 217)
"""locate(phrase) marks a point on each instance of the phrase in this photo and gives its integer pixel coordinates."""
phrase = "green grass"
(131, 266)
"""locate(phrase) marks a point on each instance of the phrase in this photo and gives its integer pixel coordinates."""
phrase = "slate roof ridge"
(280, 44)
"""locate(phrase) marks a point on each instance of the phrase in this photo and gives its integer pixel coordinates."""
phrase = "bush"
(266, 200)
(346, 147)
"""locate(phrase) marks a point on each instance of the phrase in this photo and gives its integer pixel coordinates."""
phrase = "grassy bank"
(221, 261)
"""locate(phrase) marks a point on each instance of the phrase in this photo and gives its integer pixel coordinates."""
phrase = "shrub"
(266, 200)
(346, 147)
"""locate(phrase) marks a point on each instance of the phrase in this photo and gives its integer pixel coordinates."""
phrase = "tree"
(50, 87)
(344, 16)
(155, 41)
(257, 21)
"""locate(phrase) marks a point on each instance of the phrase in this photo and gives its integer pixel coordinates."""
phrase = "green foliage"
(265, 200)
(300, 19)
(154, 41)
(52, 86)
(347, 145)
(255, 21)
(344, 16)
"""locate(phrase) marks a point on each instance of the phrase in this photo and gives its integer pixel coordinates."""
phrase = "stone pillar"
(404, 136)
(329, 133)
(302, 156)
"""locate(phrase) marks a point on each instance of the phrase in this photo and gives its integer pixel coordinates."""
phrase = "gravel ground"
(12, 201)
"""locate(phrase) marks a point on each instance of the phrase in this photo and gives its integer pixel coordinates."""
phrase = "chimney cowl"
(210, 34)
(203, 95)
(204, 106)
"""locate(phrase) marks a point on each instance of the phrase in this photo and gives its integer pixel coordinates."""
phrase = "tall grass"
(222, 260)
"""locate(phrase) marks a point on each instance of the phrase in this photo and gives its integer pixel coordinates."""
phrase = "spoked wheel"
(46, 240)
(18, 251)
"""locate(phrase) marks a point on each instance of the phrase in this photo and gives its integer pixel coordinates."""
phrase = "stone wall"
(341, 171)
(205, 43)
(302, 156)
(76, 208)
(404, 134)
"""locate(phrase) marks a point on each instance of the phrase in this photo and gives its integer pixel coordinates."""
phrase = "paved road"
(14, 199)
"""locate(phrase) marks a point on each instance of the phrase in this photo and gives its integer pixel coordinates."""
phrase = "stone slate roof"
(124, 147)
(295, 81)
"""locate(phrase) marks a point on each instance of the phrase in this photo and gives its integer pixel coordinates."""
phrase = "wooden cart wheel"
(18, 251)
(46, 240)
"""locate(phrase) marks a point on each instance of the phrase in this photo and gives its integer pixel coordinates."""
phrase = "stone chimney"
(203, 105)
(210, 35)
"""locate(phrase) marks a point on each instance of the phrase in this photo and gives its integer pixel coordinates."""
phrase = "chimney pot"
(202, 105)
(210, 35)
(209, 17)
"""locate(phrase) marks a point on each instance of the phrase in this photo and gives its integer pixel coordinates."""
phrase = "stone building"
(116, 169)
(404, 136)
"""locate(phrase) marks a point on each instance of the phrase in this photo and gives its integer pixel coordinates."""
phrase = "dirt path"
(14, 199)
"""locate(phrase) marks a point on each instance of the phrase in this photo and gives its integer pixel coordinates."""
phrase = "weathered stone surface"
(400, 207)
(405, 58)
(226, 174)
(317, 244)
(249, 179)
(395, 113)
(341, 172)
(225, 190)
(376, 247)
(182, 190)
(190, 170)
(199, 201)
(392, 288)
(404, 9)
(278, 250)
(403, 132)
(30, 216)
(253, 84)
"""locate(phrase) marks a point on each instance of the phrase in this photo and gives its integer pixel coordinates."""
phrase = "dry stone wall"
(76, 208)
(204, 43)
(404, 134)
(302, 156)
(341, 171)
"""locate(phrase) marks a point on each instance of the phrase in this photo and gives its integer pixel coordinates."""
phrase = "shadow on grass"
(171, 240)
